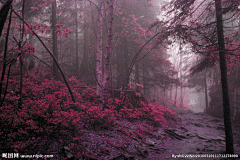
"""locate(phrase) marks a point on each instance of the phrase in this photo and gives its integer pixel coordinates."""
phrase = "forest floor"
(203, 134)
(195, 133)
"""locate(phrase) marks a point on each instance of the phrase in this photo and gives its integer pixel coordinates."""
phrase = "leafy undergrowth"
(48, 122)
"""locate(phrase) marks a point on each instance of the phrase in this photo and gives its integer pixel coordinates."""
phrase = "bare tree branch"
(51, 54)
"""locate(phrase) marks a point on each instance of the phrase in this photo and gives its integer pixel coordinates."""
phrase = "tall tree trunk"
(99, 48)
(120, 64)
(212, 84)
(223, 67)
(94, 41)
(144, 80)
(171, 90)
(119, 68)
(29, 57)
(212, 77)
(54, 37)
(234, 106)
(206, 92)
(170, 96)
(28, 16)
(21, 61)
(21, 83)
(125, 63)
(84, 65)
(106, 78)
(4, 13)
(76, 35)
(181, 89)
(155, 93)
(5, 56)
(175, 100)
(137, 80)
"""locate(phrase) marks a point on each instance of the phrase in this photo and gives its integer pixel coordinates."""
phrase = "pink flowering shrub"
(133, 106)
(48, 113)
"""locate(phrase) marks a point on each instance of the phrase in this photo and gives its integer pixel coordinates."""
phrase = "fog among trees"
(119, 79)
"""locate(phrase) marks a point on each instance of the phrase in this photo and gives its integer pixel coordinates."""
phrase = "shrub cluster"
(48, 113)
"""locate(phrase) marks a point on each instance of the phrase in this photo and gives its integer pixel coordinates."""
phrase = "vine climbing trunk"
(223, 67)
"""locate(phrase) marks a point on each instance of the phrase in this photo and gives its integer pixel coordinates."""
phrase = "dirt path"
(196, 133)
(202, 134)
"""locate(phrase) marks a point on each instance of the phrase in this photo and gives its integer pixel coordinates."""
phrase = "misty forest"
(120, 79)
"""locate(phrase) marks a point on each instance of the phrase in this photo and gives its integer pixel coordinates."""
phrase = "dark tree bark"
(3, 14)
(21, 62)
(21, 84)
(235, 92)
(54, 37)
(84, 66)
(76, 30)
(137, 79)
(223, 67)
(125, 62)
(181, 87)
(206, 93)
(236, 108)
(4, 59)
(144, 79)
(175, 100)
(120, 65)
(119, 69)
(170, 94)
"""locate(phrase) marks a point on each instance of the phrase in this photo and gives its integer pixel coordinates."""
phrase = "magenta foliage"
(49, 113)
